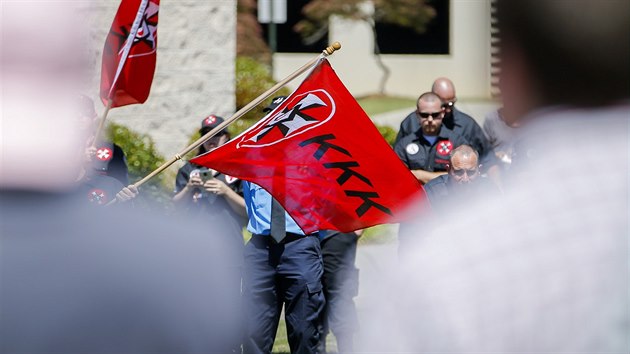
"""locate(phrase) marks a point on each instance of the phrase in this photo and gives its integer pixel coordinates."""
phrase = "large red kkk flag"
(321, 157)
(130, 53)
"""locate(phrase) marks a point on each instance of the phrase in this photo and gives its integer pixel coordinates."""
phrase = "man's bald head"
(464, 164)
(444, 88)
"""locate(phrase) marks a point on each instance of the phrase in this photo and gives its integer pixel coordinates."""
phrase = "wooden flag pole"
(241, 112)
(101, 124)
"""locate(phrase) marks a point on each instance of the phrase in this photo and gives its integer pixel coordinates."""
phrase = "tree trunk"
(379, 60)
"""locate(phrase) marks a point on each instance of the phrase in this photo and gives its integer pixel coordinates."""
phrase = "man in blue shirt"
(283, 266)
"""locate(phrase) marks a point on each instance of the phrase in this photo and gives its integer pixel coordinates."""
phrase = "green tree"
(249, 34)
(414, 14)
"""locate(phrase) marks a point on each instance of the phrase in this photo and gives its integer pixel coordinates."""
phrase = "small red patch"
(210, 120)
(97, 196)
(104, 154)
(444, 147)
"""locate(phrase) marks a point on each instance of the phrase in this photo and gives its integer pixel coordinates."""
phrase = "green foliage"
(249, 33)
(142, 159)
(376, 104)
(388, 133)
(379, 234)
(252, 79)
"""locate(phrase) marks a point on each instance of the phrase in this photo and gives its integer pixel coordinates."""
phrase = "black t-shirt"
(210, 207)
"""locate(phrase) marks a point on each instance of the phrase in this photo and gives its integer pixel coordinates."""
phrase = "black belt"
(288, 238)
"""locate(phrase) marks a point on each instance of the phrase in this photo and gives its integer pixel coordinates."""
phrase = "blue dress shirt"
(258, 203)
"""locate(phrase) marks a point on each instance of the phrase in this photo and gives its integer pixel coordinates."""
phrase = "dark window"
(288, 40)
(393, 39)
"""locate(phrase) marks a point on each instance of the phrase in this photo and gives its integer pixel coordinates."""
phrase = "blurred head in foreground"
(543, 269)
(74, 279)
(563, 53)
(42, 64)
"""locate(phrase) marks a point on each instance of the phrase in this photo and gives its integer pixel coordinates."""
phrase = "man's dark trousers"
(341, 284)
(275, 273)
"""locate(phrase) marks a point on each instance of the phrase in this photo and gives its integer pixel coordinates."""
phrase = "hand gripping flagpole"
(241, 112)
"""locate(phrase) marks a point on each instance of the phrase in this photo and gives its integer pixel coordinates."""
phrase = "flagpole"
(241, 112)
(101, 123)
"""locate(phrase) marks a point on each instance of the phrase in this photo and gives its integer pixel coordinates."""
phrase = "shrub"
(142, 159)
(388, 133)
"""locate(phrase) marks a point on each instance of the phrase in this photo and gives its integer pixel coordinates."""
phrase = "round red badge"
(97, 196)
(444, 147)
(104, 154)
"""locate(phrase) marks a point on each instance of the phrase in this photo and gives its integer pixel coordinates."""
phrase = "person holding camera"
(216, 200)
(208, 192)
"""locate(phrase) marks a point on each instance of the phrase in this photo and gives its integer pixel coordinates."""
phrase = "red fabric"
(134, 82)
(323, 159)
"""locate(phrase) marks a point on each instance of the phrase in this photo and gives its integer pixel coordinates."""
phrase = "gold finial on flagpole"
(332, 48)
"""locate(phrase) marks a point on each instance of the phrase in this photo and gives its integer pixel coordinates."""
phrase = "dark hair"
(203, 131)
(578, 51)
(429, 97)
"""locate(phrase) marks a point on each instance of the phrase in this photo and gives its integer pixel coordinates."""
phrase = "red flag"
(130, 53)
(322, 158)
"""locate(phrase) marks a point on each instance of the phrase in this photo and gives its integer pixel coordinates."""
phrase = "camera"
(207, 174)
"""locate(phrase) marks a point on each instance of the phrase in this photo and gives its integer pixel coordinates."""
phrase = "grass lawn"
(373, 105)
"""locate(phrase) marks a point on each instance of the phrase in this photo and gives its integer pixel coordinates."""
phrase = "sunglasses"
(434, 115)
(460, 173)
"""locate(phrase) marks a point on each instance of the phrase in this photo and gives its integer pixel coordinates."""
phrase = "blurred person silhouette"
(214, 198)
(106, 157)
(105, 173)
(72, 280)
(426, 152)
(543, 269)
(501, 134)
(340, 282)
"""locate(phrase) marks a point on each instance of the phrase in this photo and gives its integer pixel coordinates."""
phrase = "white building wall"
(195, 68)
(467, 64)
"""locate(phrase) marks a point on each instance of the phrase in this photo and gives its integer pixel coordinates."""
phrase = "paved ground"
(477, 109)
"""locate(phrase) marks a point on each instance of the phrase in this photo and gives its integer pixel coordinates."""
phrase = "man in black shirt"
(454, 119)
(426, 151)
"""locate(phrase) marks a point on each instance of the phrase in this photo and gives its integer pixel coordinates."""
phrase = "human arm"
(425, 176)
(235, 201)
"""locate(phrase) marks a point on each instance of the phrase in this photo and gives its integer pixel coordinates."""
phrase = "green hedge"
(142, 159)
